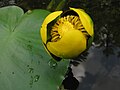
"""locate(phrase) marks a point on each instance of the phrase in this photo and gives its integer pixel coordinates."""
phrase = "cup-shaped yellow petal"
(69, 46)
(48, 19)
(85, 20)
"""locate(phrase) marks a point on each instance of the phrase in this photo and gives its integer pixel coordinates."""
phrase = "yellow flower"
(66, 34)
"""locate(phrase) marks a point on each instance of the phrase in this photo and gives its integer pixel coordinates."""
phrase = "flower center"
(65, 24)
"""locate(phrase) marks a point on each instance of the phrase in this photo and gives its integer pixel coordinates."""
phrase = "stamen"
(74, 20)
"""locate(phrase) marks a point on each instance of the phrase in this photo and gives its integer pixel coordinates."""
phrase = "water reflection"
(100, 66)
(103, 59)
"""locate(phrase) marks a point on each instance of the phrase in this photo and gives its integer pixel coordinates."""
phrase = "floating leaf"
(23, 60)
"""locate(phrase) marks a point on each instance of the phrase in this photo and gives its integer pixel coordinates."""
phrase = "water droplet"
(29, 41)
(36, 78)
(30, 70)
(29, 12)
(13, 72)
(52, 63)
(38, 62)
(29, 47)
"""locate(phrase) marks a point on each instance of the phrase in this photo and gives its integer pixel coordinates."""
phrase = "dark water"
(101, 71)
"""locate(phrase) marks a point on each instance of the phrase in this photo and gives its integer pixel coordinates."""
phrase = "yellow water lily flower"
(66, 34)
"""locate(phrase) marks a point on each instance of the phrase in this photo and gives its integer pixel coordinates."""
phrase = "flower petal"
(47, 20)
(85, 19)
(69, 46)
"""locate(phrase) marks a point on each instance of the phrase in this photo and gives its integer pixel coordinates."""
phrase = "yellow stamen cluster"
(68, 22)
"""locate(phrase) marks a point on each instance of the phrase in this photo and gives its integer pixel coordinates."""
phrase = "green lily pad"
(24, 63)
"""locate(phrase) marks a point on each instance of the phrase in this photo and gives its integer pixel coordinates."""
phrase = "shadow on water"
(102, 68)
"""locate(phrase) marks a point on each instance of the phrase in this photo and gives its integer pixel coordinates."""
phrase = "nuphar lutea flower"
(67, 34)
